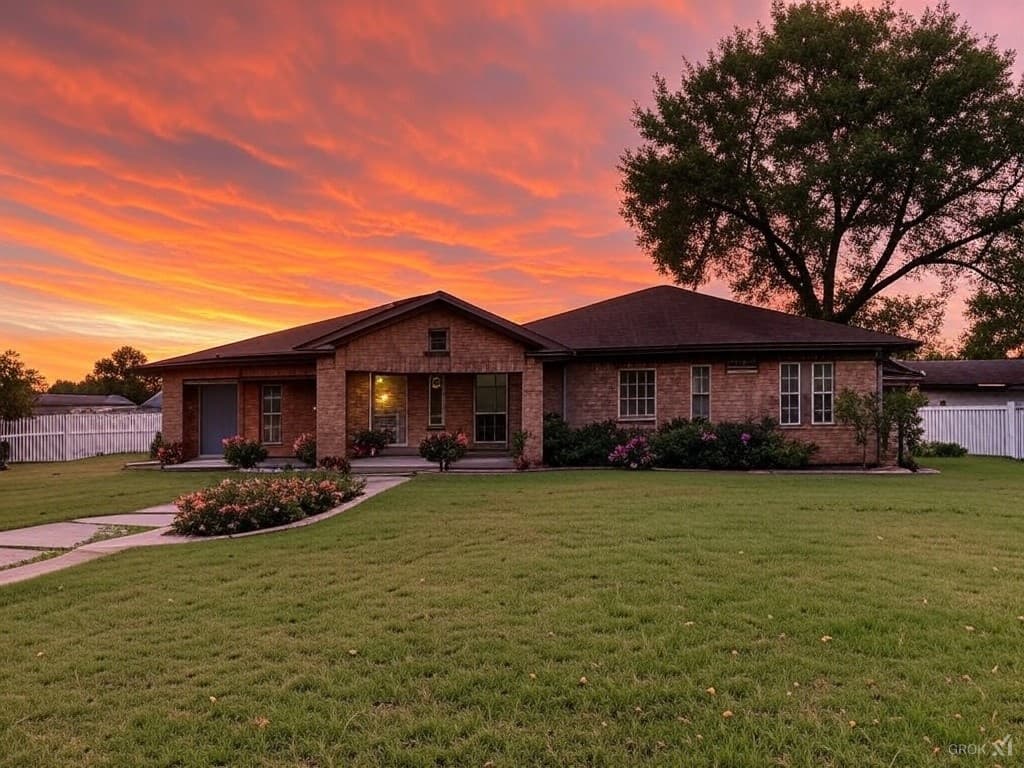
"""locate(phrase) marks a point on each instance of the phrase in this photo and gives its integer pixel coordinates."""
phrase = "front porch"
(398, 462)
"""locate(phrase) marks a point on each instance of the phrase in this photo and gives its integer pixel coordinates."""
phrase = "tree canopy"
(19, 386)
(824, 162)
(114, 375)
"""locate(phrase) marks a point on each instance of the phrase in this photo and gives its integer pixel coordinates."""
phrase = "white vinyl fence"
(68, 436)
(984, 430)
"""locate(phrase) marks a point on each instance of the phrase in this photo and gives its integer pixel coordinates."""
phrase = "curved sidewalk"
(158, 535)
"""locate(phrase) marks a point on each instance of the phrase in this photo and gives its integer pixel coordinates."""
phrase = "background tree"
(114, 375)
(19, 386)
(824, 162)
(996, 315)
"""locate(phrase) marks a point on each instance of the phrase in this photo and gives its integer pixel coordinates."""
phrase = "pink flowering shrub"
(444, 447)
(243, 452)
(236, 506)
(635, 453)
(170, 453)
(305, 448)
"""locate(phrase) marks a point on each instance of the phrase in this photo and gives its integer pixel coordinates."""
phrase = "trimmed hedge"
(680, 443)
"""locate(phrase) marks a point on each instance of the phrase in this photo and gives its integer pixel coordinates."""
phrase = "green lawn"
(45, 493)
(450, 622)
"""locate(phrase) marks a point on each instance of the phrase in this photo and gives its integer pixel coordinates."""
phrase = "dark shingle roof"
(55, 400)
(968, 374)
(666, 317)
(304, 341)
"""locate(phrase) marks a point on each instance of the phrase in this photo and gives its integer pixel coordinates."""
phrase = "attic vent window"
(741, 366)
(437, 340)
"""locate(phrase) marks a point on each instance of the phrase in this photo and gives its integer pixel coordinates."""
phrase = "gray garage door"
(218, 413)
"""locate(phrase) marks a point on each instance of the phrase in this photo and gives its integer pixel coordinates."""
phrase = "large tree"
(114, 375)
(997, 319)
(823, 162)
(19, 386)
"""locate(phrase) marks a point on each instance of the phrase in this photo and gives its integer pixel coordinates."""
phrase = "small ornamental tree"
(862, 412)
(444, 448)
(900, 414)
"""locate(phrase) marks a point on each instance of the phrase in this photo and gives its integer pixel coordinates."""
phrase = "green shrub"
(243, 452)
(370, 442)
(5, 453)
(699, 444)
(587, 446)
(305, 448)
(335, 464)
(154, 447)
(444, 448)
(170, 453)
(252, 503)
(937, 448)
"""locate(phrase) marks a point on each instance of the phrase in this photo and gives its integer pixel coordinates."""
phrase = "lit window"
(272, 413)
(636, 394)
(700, 392)
(823, 390)
(789, 394)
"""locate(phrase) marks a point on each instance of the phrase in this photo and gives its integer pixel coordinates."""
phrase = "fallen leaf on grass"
(968, 627)
(826, 638)
(853, 723)
(213, 699)
(727, 714)
(353, 652)
(711, 691)
(261, 722)
(583, 680)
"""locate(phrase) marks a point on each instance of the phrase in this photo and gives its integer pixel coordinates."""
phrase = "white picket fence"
(984, 430)
(69, 436)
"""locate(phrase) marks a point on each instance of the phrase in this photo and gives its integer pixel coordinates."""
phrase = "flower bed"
(236, 506)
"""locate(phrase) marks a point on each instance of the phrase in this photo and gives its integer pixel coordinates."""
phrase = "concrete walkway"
(57, 536)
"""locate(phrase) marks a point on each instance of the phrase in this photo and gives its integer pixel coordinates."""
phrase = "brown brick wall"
(401, 347)
(331, 405)
(553, 387)
(533, 409)
(593, 396)
(190, 421)
(298, 412)
(458, 404)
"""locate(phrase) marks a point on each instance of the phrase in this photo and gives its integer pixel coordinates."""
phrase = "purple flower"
(745, 438)
(708, 437)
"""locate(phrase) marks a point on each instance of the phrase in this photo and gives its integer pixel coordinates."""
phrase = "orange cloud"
(176, 176)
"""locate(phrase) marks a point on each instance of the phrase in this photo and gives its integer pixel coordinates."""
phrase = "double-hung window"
(700, 392)
(789, 394)
(636, 394)
(823, 392)
(271, 413)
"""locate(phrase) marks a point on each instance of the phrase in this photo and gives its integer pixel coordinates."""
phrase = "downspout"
(565, 391)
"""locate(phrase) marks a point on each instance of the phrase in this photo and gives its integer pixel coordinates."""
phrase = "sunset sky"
(177, 175)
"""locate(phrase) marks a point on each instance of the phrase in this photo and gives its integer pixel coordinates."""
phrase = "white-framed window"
(437, 340)
(823, 385)
(271, 413)
(700, 392)
(636, 394)
(789, 394)
(435, 392)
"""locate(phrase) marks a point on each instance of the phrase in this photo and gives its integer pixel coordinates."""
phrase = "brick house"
(435, 362)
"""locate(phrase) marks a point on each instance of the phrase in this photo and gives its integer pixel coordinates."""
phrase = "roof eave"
(277, 357)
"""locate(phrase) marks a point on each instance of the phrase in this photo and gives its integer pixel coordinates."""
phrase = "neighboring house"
(970, 382)
(55, 403)
(155, 403)
(436, 362)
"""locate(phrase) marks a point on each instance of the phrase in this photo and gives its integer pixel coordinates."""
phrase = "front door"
(218, 417)
(490, 406)
(390, 404)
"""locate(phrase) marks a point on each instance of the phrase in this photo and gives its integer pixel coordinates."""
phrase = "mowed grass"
(31, 494)
(451, 621)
